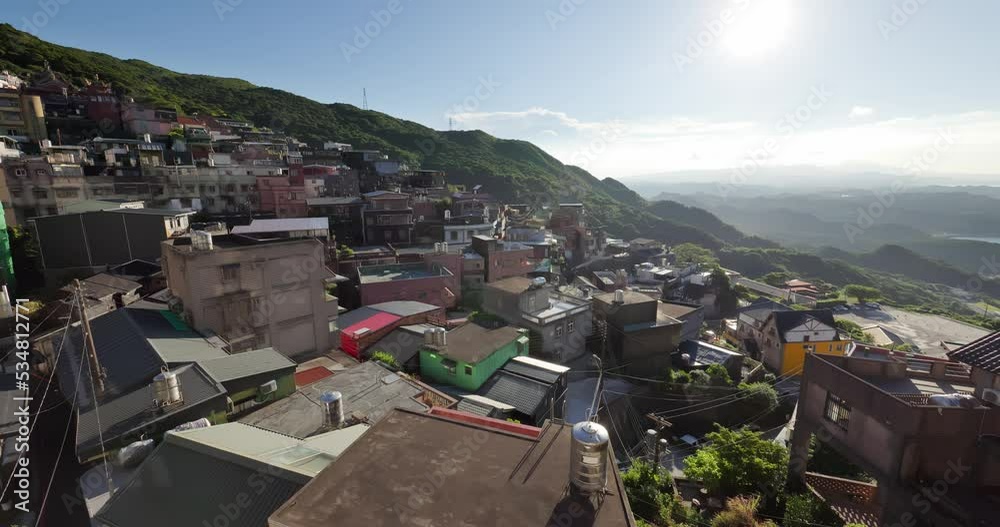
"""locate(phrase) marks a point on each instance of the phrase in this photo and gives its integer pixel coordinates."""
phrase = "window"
(559, 331)
(468, 369)
(15, 193)
(39, 172)
(531, 303)
(244, 188)
(570, 326)
(230, 272)
(837, 411)
(67, 193)
(20, 172)
(454, 235)
(449, 365)
(805, 338)
(40, 194)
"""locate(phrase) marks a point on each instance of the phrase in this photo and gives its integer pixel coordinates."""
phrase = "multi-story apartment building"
(344, 216)
(637, 334)
(22, 115)
(218, 189)
(254, 293)
(504, 259)
(560, 325)
(914, 425)
(48, 184)
(388, 218)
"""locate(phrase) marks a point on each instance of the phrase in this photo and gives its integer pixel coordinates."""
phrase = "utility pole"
(661, 425)
(88, 341)
(364, 98)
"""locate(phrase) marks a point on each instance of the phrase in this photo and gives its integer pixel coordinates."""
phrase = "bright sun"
(758, 28)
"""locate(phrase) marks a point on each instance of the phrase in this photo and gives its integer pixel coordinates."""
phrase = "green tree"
(680, 377)
(805, 510)
(740, 511)
(689, 253)
(726, 298)
(385, 358)
(718, 375)
(853, 330)
(738, 462)
(759, 397)
(863, 293)
(699, 377)
(650, 491)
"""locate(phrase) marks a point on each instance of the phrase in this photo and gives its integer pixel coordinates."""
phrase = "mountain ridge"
(512, 169)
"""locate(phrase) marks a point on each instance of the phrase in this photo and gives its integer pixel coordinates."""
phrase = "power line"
(46, 393)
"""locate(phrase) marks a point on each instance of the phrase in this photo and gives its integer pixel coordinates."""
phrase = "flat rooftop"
(505, 478)
(373, 274)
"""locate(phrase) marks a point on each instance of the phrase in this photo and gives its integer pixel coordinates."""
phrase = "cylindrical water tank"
(588, 465)
(167, 388)
(333, 409)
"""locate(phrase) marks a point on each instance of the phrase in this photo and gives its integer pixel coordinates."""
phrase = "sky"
(621, 88)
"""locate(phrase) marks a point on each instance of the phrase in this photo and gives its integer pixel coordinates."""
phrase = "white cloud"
(621, 148)
(861, 112)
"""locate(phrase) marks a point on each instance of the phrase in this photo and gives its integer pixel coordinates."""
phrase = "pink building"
(427, 282)
(283, 195)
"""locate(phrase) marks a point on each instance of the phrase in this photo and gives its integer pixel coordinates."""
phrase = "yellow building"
(788, 335)
(22, 115)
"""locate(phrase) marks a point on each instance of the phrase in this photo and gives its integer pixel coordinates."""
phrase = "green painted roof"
(246, 364)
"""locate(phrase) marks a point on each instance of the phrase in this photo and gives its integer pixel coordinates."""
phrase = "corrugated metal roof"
(246, 364)
(534, 371)
(404, 308)
(178, 485)
(527, 395)
(346, 320)
(373, 323)
(402, 344)
(126, 414)
(283, 225)
(365, 393)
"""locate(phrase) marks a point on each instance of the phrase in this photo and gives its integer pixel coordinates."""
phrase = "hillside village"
(241, 328)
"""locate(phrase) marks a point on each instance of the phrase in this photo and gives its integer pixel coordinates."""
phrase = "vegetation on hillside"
(511, 169)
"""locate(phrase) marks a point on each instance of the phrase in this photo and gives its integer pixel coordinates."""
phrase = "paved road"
(925, 331)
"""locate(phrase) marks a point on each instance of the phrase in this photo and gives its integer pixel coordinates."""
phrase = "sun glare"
(759, 29)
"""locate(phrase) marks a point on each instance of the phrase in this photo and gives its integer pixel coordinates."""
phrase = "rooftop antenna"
(364, 99)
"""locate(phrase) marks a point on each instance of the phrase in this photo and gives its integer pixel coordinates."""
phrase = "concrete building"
(504, 259)
(387, 218)
(22, 115)
(636, 334)
(790, 335)
(254, 293)
(911, 423)
(504, 474)
(344, 217)
(467, 356)
(427, 281)
(560, 325)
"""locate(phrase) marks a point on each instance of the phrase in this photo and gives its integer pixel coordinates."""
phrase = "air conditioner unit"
(992, 396)
(268, 387)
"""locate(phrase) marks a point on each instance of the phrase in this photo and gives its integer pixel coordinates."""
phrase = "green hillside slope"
(513, 170)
